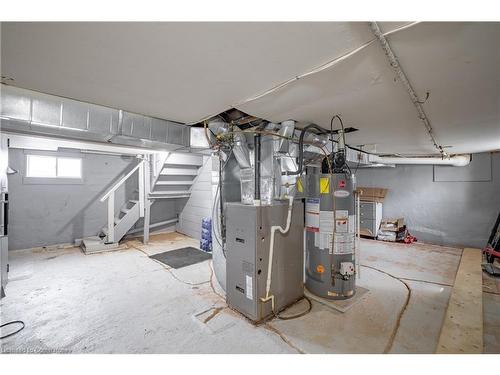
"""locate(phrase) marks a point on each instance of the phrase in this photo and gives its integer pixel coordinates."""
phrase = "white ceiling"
(189, 71)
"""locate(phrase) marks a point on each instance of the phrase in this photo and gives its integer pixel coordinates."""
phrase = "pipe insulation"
(456, 161)
(393, 61)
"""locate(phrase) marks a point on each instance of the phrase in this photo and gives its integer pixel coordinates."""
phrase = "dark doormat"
(182, 257)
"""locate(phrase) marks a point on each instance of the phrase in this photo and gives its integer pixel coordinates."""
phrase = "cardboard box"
(371, 194)
(392, 225)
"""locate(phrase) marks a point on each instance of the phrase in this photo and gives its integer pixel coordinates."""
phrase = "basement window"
(42, 169)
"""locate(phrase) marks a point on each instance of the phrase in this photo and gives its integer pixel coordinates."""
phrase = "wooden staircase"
(176, 176)
(160, 176)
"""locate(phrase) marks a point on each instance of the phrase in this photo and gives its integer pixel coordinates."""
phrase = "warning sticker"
(324, 185)
(249, 287)
(341, 214)
(300, 187)
(326, 222)
(341, 225)
(312, 215)
(325, 241)
(344, 243)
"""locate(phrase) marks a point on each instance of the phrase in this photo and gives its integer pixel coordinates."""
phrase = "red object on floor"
(489, 250)
(409, 238)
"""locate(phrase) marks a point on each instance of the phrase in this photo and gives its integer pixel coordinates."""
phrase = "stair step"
(184, 159)
(190, 182)
(92, 245)
(169, 194)
(179, 172)
(125, 210)
(169, 197)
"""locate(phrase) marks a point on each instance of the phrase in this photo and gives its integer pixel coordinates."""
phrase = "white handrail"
(159, 162)
(120, 182)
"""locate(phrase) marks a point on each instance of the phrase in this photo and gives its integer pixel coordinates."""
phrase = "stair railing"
(158, 160)
(110, 196)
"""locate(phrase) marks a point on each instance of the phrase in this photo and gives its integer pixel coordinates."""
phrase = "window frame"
(31, 180)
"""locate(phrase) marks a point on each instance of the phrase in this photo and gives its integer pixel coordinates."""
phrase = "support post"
(111, 218)
(147, 189)
(141, 189)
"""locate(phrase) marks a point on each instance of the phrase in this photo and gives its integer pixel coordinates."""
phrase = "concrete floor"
(124, 302)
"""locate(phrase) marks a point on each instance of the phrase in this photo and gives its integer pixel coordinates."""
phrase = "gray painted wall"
(445, 213)
(42, 215)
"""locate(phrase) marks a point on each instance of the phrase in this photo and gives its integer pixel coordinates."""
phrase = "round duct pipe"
(455, 161)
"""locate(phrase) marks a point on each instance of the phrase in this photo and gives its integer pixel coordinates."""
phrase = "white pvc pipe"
(456, 161)
(282, 230)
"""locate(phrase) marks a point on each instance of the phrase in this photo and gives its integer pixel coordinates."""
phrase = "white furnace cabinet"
(370, 218)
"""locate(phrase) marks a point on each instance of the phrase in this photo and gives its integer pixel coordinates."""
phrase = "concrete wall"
(458, 213)
(199, 204)
(48, 214)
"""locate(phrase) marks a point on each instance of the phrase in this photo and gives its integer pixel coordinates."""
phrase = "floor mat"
(182, 257)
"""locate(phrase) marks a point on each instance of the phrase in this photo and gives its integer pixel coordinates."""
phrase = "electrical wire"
(211, 281)
(390, 342)
(216, 201)
(15, 332)
(282, 337)
(290, 317)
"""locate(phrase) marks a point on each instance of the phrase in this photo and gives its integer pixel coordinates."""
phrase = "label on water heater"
(312, 214)
(344, 243)
(341, 193)
(352, 223)
(341, 225)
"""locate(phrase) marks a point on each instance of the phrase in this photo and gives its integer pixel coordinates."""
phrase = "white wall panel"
(199, 204)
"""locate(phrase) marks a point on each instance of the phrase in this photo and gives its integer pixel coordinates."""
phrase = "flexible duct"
(241, 151)
(456, 161)
(286, 131)
(301, 148)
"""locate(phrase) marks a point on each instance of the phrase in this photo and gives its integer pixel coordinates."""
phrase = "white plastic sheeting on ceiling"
(457, 63)
(189, 71)
(177, 71)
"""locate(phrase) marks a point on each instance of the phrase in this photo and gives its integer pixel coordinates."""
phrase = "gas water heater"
(330, 222)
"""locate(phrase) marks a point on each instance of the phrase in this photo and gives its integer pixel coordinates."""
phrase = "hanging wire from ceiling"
(318, 69)
(396, 66)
